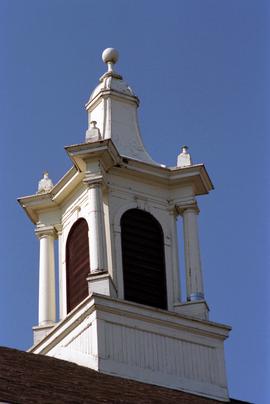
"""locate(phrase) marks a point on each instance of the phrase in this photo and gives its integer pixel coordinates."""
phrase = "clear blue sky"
(201, 70)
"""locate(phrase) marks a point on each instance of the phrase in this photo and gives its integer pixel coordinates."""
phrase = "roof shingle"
(30, 378)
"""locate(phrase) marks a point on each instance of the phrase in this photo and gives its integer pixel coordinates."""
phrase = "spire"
(113, 106)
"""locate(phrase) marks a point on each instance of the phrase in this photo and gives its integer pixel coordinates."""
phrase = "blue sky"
(200, 68)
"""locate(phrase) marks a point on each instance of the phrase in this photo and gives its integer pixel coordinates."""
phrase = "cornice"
(109, 160)
(195, 175)
(104, 150)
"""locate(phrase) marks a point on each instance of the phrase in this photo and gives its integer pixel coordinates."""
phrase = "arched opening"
(77, 264)
(143, 259)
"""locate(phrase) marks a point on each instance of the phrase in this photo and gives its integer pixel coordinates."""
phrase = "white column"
(46, 309)
(194, 280)
(97, 238)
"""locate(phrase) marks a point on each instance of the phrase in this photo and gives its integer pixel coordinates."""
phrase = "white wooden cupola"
(114, 214)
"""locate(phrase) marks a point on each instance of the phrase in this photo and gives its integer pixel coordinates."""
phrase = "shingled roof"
(30, 378)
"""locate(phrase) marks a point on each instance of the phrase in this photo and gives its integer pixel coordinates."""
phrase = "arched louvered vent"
(143, 259)
(77, 264)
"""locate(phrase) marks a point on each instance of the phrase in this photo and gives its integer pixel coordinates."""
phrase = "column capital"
(184, 207)
(92, 182)
(43, 231)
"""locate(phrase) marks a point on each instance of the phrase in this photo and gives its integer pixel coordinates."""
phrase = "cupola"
(114, 215)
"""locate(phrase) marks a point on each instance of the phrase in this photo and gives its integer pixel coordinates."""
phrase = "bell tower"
(114, 214)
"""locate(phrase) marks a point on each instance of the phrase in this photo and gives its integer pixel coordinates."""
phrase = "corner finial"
(45, 184)
(184, 158)
(110, 57)
(92, 133)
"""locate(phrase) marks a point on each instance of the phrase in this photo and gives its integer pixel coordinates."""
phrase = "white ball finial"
(110, 55)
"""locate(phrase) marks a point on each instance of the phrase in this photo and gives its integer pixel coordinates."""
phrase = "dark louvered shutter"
(143, 259)
(77, 263)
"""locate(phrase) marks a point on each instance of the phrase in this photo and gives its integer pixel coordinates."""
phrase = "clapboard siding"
(78, 263)
(143, 259)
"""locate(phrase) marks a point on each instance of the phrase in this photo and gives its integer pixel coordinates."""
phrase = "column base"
(198, 309)
(101, 283)
(40, 331)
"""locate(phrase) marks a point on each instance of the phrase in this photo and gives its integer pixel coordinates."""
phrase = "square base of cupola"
(101, 282)
(142, 343)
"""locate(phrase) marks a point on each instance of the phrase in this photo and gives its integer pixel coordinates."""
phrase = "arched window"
(77, 263)
(143, 259)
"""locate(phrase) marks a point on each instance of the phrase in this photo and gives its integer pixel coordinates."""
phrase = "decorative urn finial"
(184, 158)
(45, 184)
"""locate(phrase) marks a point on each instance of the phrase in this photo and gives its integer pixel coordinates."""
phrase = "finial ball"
(110, 55)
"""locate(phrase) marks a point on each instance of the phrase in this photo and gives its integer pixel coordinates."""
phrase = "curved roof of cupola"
(111, 80)
(112, 108)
